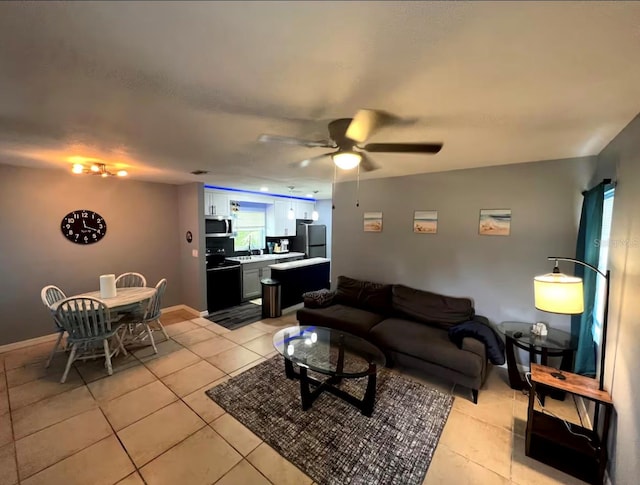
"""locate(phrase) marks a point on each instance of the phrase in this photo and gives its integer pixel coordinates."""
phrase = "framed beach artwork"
(495, 222)
(425, 222)
(373, 222)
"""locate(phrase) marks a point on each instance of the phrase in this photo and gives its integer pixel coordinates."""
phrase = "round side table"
(556, 343)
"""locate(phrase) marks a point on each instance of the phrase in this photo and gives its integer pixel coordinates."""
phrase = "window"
(250, 223)
(605, 243)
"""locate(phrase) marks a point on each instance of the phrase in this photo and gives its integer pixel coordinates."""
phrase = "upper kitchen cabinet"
(303, 209)
(278, 222)
(216, 204)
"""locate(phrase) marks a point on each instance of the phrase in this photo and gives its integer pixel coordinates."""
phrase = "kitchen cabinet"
(216, 203)
(304, 209)
(278, 222)
(254, 272)
(251, 283)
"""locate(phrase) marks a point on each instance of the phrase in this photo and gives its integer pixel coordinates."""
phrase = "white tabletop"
(124, 297)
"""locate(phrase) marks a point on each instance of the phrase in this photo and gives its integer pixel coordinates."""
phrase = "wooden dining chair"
(130, 280)
(51, 294)
(142, 327)
(88, 323)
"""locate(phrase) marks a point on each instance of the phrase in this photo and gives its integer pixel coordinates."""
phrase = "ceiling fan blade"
(365, 123)
(366, 163)
(307, 161)
(290, 140)
(404, 147)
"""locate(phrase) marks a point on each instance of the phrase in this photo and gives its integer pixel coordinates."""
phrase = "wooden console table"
(548, 440)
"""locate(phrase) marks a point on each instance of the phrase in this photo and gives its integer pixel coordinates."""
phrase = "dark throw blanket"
(492, 343)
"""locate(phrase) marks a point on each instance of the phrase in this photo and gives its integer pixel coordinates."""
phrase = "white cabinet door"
(220, 203)
(208, 203)
(304, 209)
(251, 283)
(280, 225)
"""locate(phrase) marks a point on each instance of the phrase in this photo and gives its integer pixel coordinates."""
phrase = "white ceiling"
(166, 88)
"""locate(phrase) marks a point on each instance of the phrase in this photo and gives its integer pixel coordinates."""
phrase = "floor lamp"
(558, 293)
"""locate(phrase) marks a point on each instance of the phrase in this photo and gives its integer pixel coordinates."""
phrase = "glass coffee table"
(331, 352)
(555, 344)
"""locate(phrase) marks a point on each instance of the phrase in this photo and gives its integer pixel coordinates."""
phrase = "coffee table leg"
(305, 393)
(370, 393)
(288, 369)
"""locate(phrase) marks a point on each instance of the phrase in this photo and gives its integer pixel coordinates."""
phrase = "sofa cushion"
(432, 308)
(350, 319)
(427, 343)
(365, 295)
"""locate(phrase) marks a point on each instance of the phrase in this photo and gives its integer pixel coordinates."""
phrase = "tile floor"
(152, 423)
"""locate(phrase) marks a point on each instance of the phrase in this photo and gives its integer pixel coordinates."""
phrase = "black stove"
(224, 281)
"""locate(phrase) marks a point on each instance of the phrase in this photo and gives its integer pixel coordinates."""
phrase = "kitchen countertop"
(257, 258)
(298, 264)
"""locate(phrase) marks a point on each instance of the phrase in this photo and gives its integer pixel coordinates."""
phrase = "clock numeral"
(99, 219)
(95, 235)
(71, 220)
(71, 232)
(85, 215)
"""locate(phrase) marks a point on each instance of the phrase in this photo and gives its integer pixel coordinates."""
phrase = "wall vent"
(199, 172)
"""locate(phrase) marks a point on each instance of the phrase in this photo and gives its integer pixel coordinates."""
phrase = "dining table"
(126, 299)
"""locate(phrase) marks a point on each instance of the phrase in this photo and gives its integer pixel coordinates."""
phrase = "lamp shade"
(558, 293)
(346, 160)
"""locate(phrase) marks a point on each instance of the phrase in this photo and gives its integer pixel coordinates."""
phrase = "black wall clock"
(83, 227)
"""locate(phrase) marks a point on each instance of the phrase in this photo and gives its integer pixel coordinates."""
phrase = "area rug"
(333, 443)
(237, 316)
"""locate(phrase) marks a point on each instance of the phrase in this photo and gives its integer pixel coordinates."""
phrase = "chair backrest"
(153, 310)
(84, 317)
(51, 294)
(130, 280)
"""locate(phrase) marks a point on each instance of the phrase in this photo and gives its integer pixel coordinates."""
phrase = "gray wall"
(325, 217)
(141, 236)
(192, 268)
(620, 160)
(496, 272)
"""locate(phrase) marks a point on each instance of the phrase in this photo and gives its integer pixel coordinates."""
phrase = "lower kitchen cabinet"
(251, 276)
(251, 283)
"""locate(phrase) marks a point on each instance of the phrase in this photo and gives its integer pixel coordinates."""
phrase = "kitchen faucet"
(249, 244)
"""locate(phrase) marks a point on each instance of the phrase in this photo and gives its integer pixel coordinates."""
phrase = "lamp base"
(558, 375)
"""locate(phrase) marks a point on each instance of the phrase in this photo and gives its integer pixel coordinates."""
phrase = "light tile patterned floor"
(152, 423)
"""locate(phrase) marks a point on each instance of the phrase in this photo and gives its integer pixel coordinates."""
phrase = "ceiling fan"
(345, 134)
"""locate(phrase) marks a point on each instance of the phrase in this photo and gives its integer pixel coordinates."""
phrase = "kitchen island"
(298, 277)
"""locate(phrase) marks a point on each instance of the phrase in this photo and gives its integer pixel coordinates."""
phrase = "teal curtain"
(588, 250)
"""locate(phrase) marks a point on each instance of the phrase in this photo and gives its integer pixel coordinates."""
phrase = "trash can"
(270, 298)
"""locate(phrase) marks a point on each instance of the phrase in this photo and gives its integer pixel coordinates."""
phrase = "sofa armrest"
(474, 346)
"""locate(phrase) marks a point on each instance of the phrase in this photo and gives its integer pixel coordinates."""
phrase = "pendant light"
(314, 215)
(291, 215)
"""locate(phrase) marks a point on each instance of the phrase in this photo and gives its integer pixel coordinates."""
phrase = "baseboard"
(52, 337)
(204, 314)
(28, 343)
(182, 307)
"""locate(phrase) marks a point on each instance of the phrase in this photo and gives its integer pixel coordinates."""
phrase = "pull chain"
(333, 186)
(358, 188)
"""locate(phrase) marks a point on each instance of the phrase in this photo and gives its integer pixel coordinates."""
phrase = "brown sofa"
(408, 325)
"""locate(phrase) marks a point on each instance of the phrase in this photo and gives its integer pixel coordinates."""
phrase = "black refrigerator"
(311, 239)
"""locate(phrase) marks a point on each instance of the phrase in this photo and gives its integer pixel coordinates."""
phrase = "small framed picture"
(373, 222)
(495, 222)
(425, 222)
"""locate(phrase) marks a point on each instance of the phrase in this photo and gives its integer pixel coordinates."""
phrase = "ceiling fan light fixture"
(346, 160)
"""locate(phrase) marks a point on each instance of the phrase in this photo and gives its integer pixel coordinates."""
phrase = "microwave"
(218, 226)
